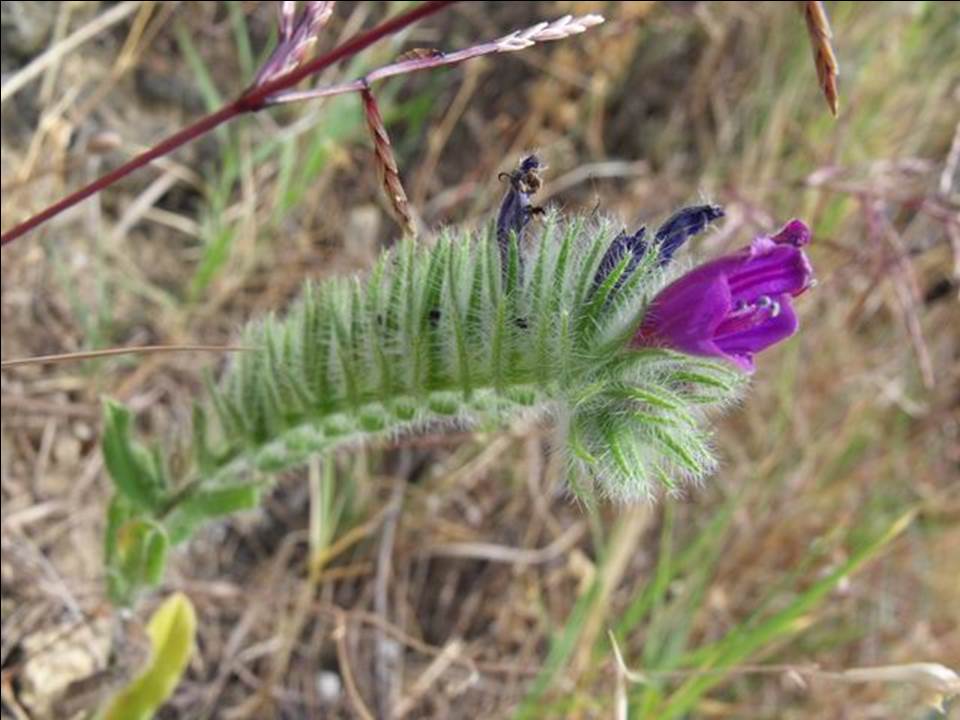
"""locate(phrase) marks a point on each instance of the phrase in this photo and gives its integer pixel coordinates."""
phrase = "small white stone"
(329, 686)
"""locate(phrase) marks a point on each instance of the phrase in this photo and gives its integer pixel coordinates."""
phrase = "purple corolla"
(735, 306)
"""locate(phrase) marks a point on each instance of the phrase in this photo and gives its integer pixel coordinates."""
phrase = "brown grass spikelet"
(297, 36)
(387, 169)
(818, 27)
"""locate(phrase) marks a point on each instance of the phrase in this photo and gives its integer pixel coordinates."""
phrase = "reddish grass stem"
(251, 100)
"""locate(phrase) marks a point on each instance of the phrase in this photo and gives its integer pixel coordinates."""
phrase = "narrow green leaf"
(128, 465)
(742, 642)
(202, 505)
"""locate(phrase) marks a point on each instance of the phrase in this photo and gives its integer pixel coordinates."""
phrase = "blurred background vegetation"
(452, 576)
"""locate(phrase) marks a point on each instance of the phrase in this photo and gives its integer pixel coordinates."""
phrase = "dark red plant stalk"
(251, 100)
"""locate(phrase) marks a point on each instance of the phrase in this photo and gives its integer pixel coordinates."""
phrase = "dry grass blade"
(109, 352)
(818, 27)
(38, 65)
(387, 169)
(346, 672)
(938, 682)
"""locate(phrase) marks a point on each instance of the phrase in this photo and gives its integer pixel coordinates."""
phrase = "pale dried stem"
(937, 681)
(950, 176)
(38, 65)
(428, 678)
(346, 672)
(109, 352)
(518, 40)
(506, 554)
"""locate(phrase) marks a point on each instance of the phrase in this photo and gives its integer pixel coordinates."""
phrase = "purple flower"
(736, 305)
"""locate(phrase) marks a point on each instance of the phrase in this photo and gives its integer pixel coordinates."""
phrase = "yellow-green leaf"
(171, 630)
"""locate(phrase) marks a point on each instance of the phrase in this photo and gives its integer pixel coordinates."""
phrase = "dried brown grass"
(488, 555)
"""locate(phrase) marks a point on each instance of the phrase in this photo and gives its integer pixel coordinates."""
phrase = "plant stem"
(251, 100)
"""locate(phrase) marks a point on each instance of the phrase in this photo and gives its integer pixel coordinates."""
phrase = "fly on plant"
(517, 207)
(419, 54)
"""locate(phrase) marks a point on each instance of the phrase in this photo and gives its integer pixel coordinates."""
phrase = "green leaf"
(202, 505)
(589, 321)
(129, 465)
(135, 552)
(118, 513)
(155, 560)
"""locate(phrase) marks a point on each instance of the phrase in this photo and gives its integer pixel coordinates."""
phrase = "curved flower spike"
(736, 305)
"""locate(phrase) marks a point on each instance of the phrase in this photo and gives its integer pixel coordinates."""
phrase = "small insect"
(516, 208)
(419, 54)
(526, 178)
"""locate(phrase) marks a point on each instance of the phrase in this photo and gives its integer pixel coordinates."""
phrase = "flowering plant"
(560, 319)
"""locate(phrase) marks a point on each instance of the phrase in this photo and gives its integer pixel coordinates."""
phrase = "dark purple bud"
(683, 225)
(621, 245)
(736, 305)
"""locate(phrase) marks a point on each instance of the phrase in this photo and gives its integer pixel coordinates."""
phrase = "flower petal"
(773, 270)
(794, 233)
(686, 314)
(736, 305)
